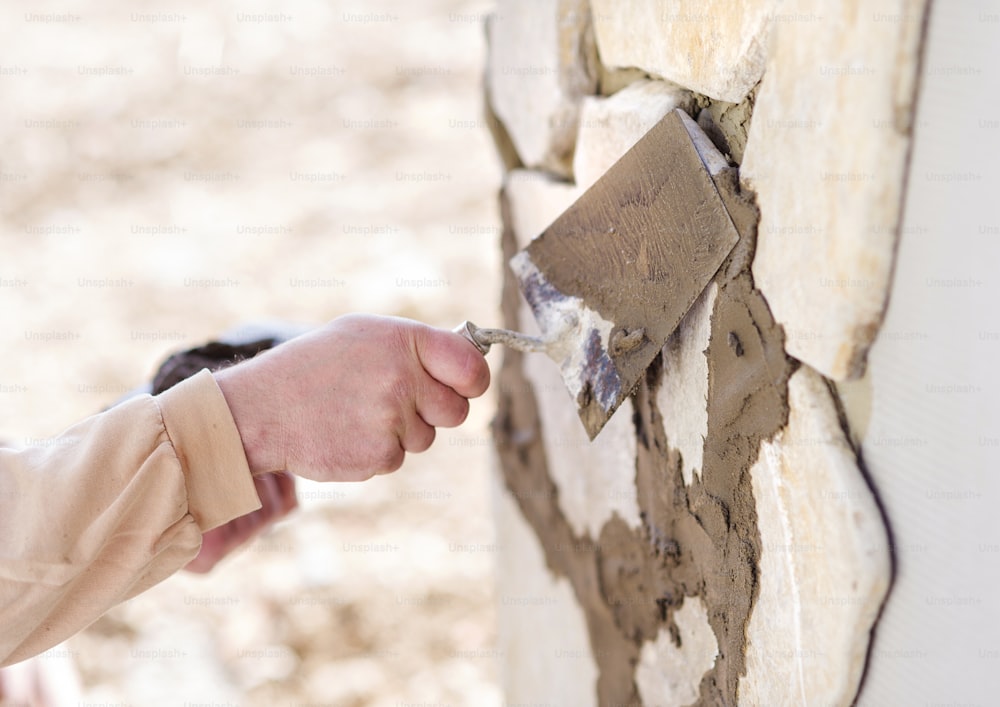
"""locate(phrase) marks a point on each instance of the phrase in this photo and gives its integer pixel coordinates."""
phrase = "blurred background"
(172, 170)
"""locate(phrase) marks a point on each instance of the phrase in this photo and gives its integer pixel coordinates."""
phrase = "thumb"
(450, 359)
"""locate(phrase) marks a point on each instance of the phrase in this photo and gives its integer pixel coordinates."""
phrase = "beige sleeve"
(111, 507)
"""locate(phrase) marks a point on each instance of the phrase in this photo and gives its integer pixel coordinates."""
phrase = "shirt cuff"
(207, 443)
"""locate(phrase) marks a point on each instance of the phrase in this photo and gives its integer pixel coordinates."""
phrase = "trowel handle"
(482, 339)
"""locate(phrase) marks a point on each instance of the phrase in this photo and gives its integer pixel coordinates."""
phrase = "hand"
(349, 400)
(277, 498)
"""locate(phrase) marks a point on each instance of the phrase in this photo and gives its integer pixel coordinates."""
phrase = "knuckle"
(423, 439)
(388, 458)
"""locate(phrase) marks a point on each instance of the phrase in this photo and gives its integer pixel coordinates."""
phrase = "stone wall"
(719, 542)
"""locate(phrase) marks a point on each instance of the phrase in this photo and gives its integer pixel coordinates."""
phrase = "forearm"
(111, 507)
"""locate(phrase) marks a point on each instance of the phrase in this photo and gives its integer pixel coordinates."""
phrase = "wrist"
(248, 409)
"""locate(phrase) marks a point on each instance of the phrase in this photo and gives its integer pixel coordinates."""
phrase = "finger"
(209, 553)
(418, 437)
(269, 494)
(450, 359)
(440, 406)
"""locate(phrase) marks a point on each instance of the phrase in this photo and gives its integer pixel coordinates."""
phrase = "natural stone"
(824, 566)
(715, 47)
(611, 81)
(856, 405)
(610, 126)
(683, 393)
(542, 60)
(595, 479)
(827, 154)
(670, 669)
(546, 654)
(536, 200)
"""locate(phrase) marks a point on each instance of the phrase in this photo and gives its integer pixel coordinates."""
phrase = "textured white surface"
(536, 200)
(595, 479)
(824, 561)
(933, 442)
(610, 126)
(541, 62)
(668, 674)
(826, 154)
(715, 47)
(683, 394)
(545, 650)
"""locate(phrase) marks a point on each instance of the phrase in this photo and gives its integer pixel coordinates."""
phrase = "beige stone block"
(542, 61)
(595, 479)
(536, 200)
(609, 127)
(826, 155)
(714, 47)
(683, 394)
(669, 673)
(546, 656)
(824, 560)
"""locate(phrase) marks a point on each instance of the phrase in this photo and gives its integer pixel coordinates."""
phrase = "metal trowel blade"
(612, 277)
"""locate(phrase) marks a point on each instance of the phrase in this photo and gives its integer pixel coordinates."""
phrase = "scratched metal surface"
(634, 252)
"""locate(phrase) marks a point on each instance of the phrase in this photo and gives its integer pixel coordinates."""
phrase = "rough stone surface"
(542, 60)
(826, 154)
(610, 126)
(715, 47)
(694, 541)
(683, 393)
(670, 669)
(613, 80)
(825, 564)
(724, 546)
(536, 199)
(695, 537)
(595, 480)
(538, 615)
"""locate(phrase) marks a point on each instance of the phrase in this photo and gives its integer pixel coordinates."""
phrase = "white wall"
(932, 444)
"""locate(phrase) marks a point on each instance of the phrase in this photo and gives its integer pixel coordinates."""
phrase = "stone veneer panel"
(826, 154)
(606, 509)
(542, 60)
(714, 47)
(719, 539)
(824, 559)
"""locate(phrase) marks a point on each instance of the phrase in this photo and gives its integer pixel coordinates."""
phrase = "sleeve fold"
(114, 505)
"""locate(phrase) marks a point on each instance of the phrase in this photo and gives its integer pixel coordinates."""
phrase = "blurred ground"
(169, 171)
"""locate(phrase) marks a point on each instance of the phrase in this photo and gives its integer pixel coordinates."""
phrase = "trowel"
(611, 278)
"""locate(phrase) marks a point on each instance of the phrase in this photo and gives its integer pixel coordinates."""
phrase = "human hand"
(348, 400)
(277, 499)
